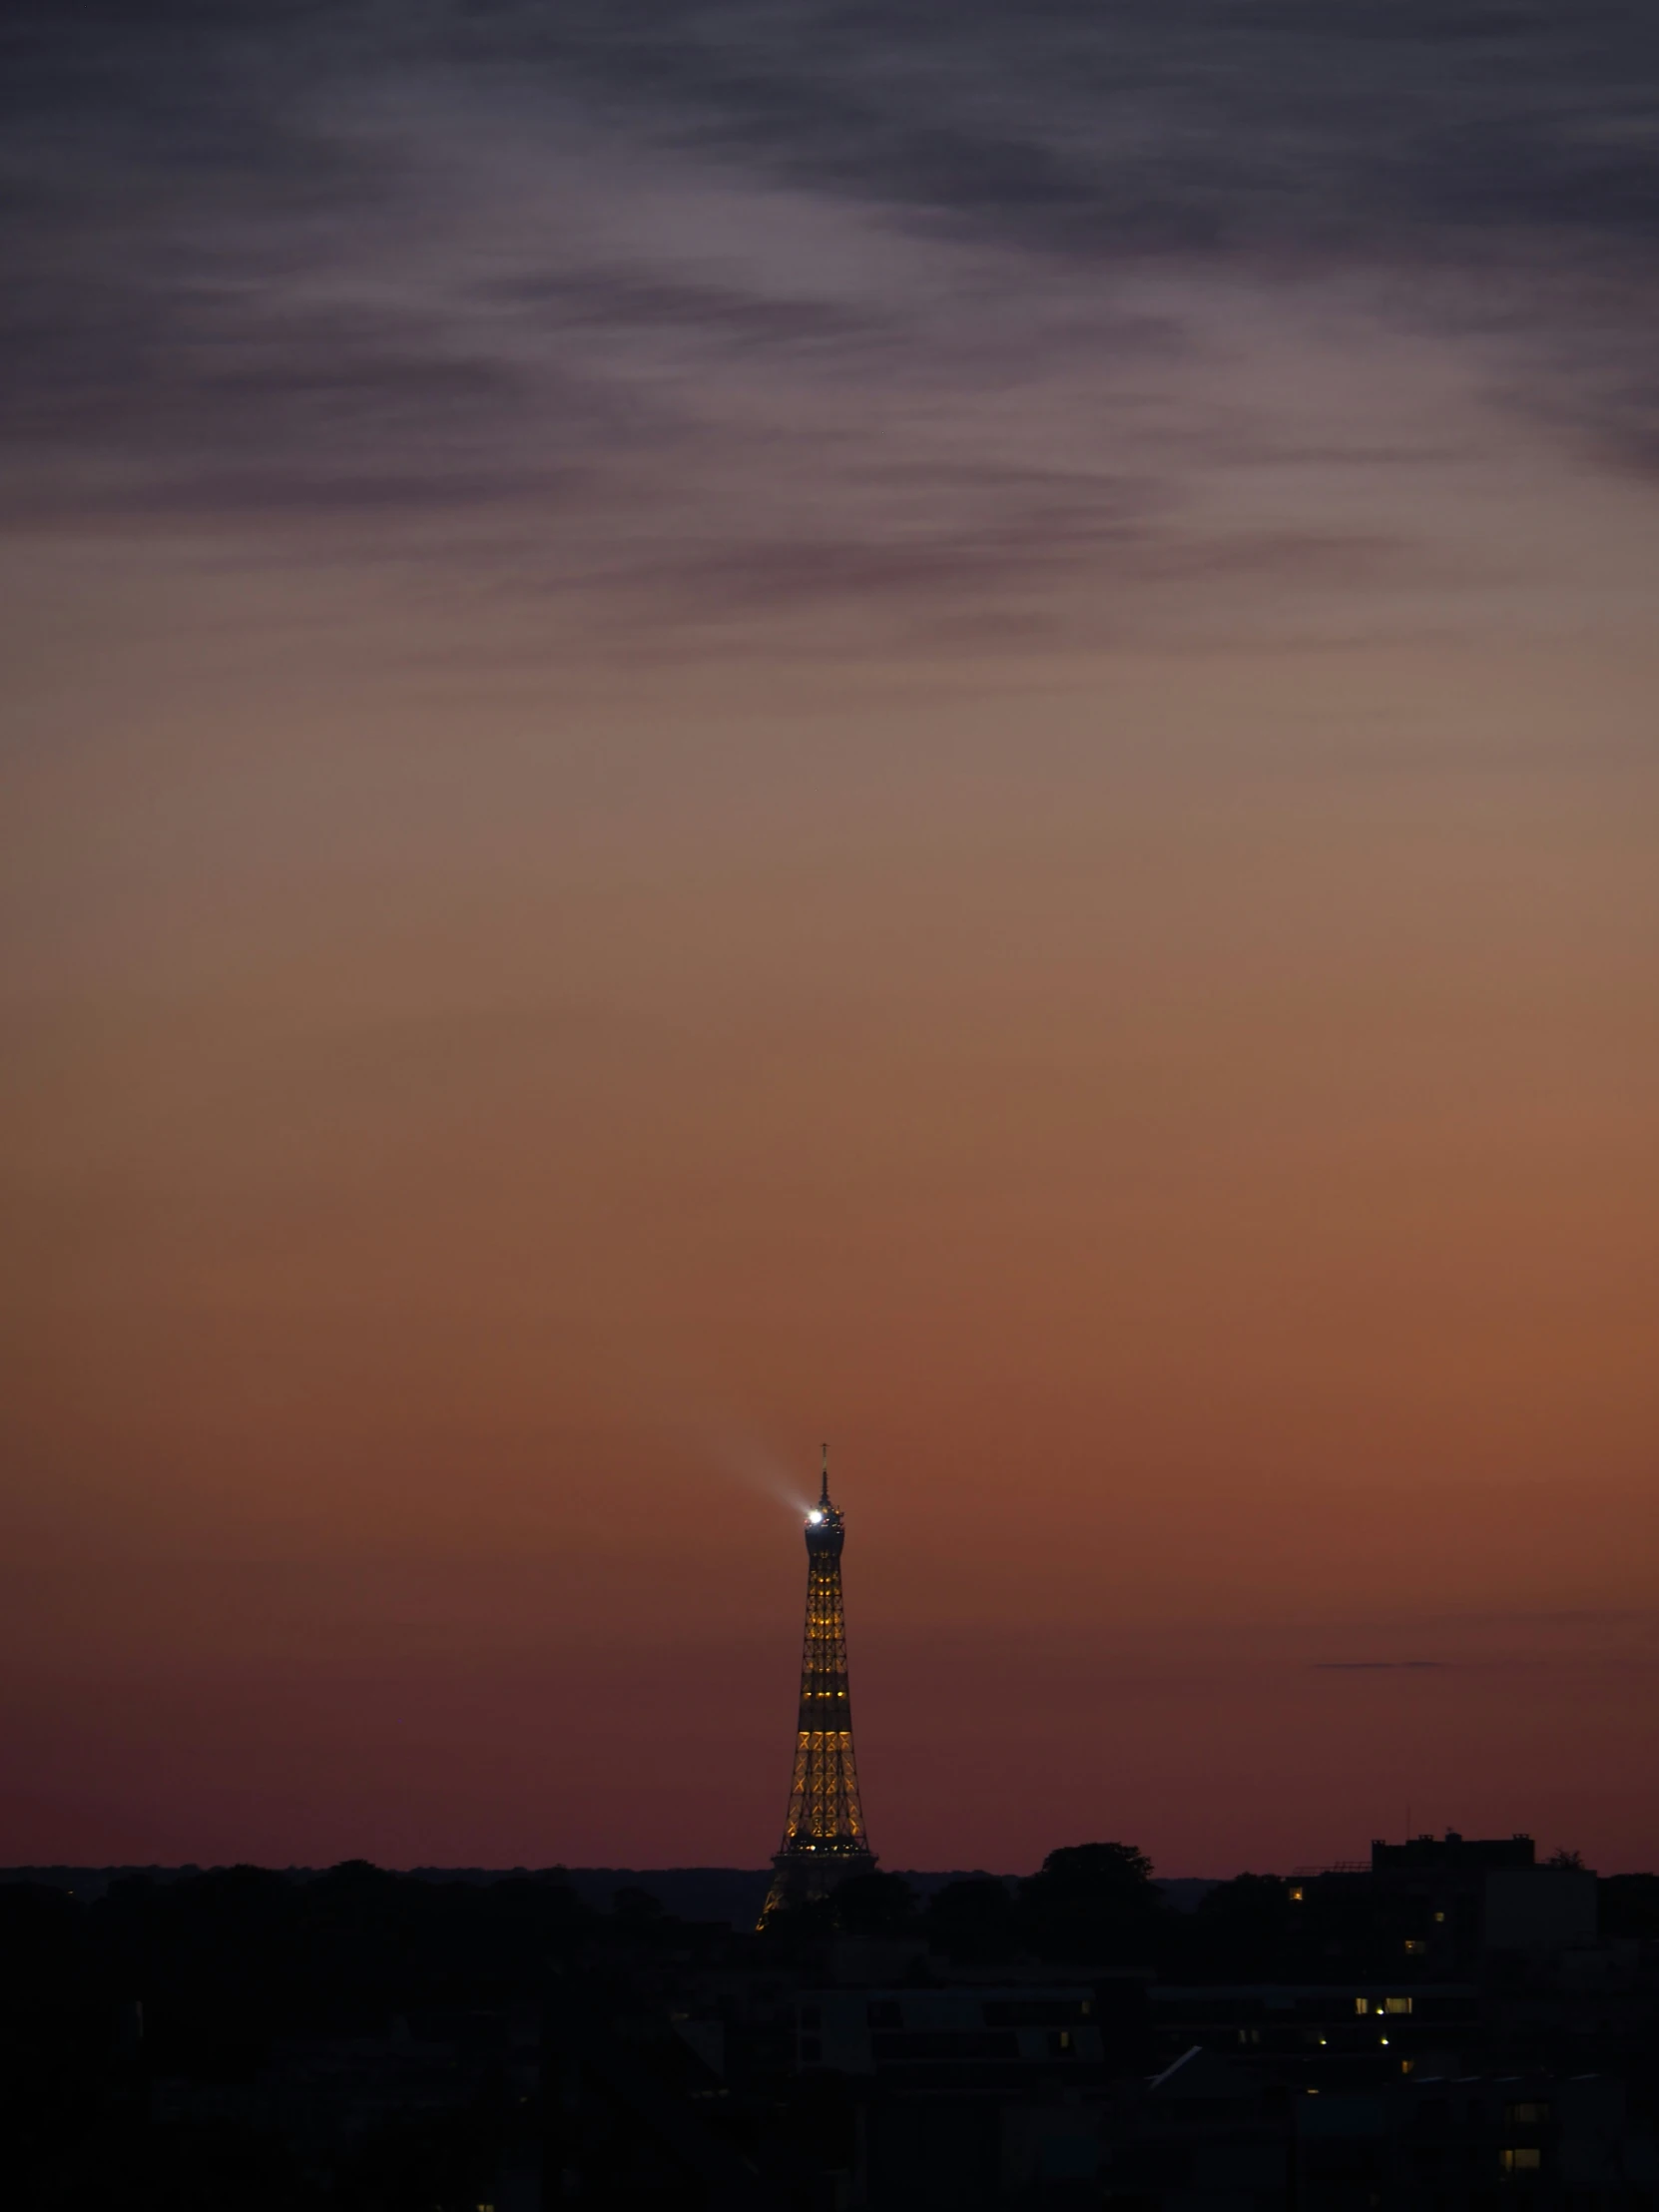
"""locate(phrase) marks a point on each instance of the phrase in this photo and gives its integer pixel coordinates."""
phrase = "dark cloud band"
(274, 264)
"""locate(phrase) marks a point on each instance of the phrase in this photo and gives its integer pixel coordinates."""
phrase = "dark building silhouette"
(824, 1830)
(1473, 1896)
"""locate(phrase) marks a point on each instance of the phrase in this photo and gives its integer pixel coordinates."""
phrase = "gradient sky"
(727, 724)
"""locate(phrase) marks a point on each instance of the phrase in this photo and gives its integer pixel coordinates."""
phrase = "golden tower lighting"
(824, 1831)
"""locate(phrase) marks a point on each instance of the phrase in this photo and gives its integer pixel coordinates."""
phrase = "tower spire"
(824, 1830)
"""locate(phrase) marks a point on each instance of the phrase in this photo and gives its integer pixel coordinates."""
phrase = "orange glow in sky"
(759, 815)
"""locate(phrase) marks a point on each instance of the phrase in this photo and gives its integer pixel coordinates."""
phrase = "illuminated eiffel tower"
(823, 1833)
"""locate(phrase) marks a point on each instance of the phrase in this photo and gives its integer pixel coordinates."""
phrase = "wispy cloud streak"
(740, 311)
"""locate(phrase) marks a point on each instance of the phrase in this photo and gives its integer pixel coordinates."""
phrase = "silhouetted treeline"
(271, 1953)
(262, 1953)
(1097, 1905)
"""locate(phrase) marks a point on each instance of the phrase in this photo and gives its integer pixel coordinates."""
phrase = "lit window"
(1405, 2065)
(1362, 2004)
(1415, 1947)
(1525, 2115)
(1439, 1919)
(1295, 1897)
(1397, 2004)
(1526, 2158)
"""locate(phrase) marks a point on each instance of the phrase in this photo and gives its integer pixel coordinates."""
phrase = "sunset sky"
(728, 723)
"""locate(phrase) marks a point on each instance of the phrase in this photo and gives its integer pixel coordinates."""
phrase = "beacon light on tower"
(824, 1830)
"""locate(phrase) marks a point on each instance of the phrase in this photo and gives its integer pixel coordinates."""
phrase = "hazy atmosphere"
(728, 725)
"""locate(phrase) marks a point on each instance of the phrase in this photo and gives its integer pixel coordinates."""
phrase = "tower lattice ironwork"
(823, 1832)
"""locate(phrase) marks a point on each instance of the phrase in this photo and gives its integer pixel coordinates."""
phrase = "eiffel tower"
(823, 1832)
